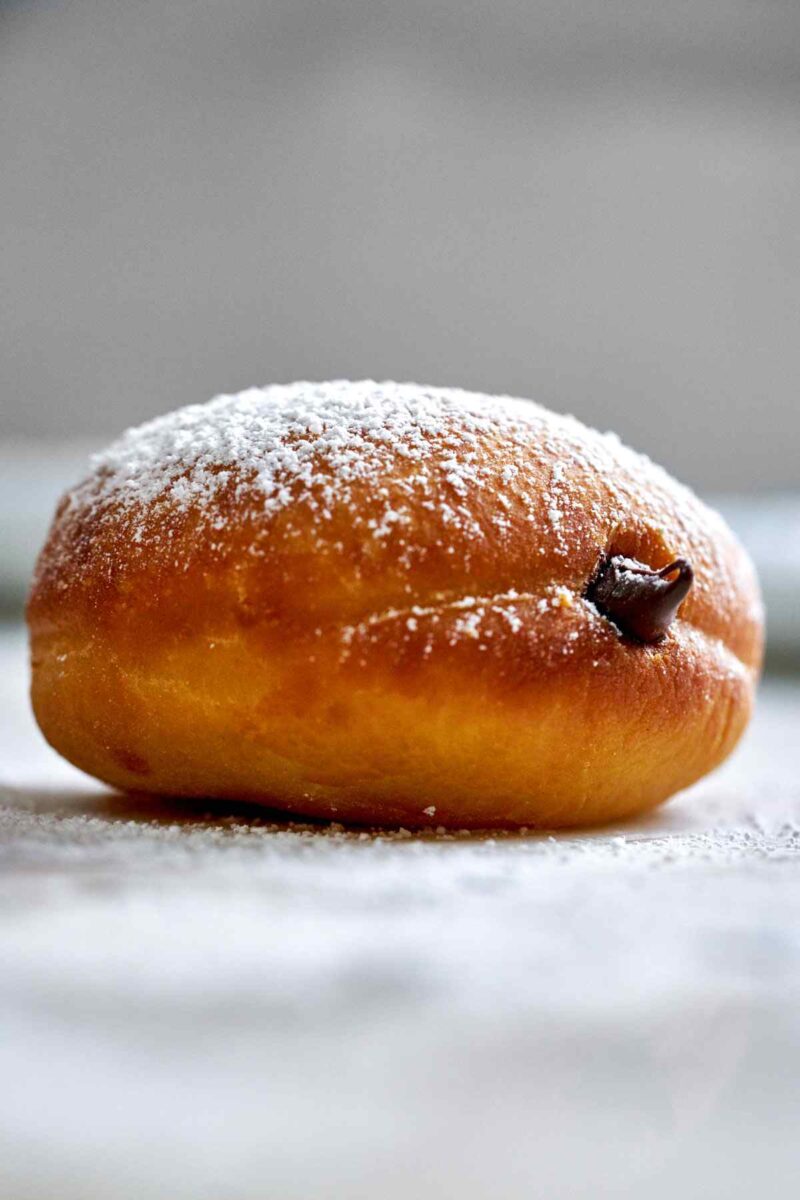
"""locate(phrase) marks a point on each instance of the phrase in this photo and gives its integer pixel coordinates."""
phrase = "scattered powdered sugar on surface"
(225, 991)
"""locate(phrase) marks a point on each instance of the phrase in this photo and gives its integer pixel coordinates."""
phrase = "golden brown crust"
(294, 657)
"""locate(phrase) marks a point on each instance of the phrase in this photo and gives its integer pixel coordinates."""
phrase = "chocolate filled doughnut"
(395, 605)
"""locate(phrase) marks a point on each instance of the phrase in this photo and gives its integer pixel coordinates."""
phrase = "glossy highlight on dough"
(372, 603)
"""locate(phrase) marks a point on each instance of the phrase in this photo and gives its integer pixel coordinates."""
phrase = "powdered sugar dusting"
(404, 472)
(310, 444)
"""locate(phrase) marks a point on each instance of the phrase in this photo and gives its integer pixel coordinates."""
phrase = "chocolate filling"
(641, 602)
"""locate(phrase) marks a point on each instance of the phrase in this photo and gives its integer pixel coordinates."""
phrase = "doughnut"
(391, 605)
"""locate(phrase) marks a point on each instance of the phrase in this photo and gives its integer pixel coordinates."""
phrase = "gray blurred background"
(596, 205)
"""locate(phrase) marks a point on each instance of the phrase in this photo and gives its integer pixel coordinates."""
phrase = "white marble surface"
(210, 1006)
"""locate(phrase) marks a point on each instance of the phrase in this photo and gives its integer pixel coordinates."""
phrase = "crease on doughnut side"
(554, 596)
(444, 600)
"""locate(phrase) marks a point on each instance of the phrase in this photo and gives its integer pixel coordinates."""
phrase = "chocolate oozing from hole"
(641, 602)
